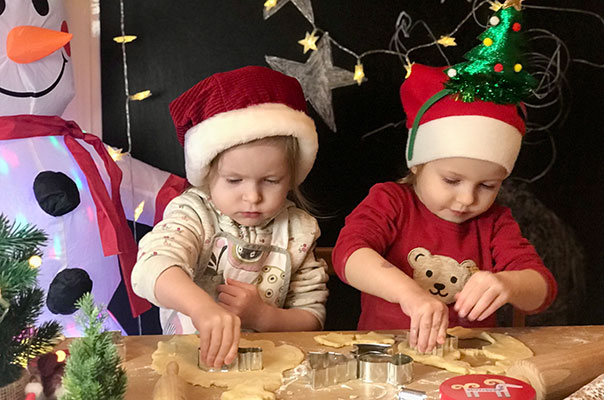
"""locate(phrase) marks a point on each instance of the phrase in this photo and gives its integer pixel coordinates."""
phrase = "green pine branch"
(93, 368)
(14, 276)
(19, 242)
(21, 301)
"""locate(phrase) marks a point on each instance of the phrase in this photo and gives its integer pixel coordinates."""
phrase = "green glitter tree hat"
(471, 109)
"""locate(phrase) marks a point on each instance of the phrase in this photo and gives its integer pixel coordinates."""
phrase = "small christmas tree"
(93, 369)
(495, 69)
(21, 300)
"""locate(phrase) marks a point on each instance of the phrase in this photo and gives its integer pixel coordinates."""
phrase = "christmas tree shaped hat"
(471, 109)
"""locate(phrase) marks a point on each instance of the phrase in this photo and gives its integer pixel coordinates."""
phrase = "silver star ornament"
(318, 76)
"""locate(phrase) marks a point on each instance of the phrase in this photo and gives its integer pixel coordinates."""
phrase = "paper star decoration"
(303, 5)
(309, 42)
(318, 77)
(517, 4)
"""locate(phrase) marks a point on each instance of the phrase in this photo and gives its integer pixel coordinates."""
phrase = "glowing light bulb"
(124, 39)
(61, 356)
(408, 68)
(139, 210)
(309, 42)
(140, 95)
(359, 74)
(268, 4)
(116, 154)
(35, 261)
(446, 41)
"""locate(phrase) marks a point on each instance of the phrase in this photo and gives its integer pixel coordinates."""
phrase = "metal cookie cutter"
(248, 359)
(329, 368)
(364, 348)
(451, 343)
(394, 369)
(410, 394)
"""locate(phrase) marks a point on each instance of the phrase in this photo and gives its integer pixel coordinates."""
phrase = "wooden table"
(141, 378)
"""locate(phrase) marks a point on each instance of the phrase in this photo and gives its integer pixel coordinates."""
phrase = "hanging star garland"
(318, 76)
(305, 7)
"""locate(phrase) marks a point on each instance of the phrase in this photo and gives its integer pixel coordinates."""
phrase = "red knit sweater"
(392, 221)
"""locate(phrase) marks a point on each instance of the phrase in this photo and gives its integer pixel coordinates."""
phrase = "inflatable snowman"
(61, 179)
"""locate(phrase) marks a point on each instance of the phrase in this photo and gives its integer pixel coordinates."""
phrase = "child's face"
(457, 189)
(251, 182)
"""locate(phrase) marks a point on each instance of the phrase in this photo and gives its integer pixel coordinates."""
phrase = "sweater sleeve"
(177, 240)
(308, 284)
(513, 252)
(372, 224)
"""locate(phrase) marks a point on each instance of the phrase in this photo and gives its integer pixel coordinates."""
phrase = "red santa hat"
(240, 106)
(441, 126)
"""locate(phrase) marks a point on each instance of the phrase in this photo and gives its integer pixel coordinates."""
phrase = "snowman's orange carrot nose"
(25, 44)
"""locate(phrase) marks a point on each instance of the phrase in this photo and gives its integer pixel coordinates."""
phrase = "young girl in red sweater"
(433, 249)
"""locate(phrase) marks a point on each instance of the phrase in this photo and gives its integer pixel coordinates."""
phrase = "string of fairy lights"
(319, 76)
(549, 68)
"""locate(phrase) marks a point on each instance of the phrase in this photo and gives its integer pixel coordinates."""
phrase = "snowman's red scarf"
(116, 237)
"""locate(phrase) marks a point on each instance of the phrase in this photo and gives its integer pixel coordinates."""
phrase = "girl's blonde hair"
(292, 152)
(411, 177)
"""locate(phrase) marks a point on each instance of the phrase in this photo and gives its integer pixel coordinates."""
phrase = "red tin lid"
(486, 387)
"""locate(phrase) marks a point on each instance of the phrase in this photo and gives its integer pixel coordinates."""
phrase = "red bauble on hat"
(240, 106)
(448, 127)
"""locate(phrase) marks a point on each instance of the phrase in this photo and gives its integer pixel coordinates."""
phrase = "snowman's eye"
(41, 6)
(2, 6)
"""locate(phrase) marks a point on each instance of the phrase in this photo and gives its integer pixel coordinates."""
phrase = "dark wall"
(181, 42)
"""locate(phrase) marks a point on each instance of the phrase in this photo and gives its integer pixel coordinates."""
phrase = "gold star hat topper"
(517, 4)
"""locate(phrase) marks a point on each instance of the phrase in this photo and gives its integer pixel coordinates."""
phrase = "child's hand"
(481, 296)
(429, 320)
(219, 332)
(243, 300)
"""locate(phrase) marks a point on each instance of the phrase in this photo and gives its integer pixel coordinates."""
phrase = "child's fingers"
(494, 306)
(468, 298)
(423, 336)
(412, 339)
(235, 283)
(442, 330)
(434, 331)
(214, 346)
(204, 343)
(228, 289)
(226, 299)
(235, 345)
(226, 345)
(482, 304)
